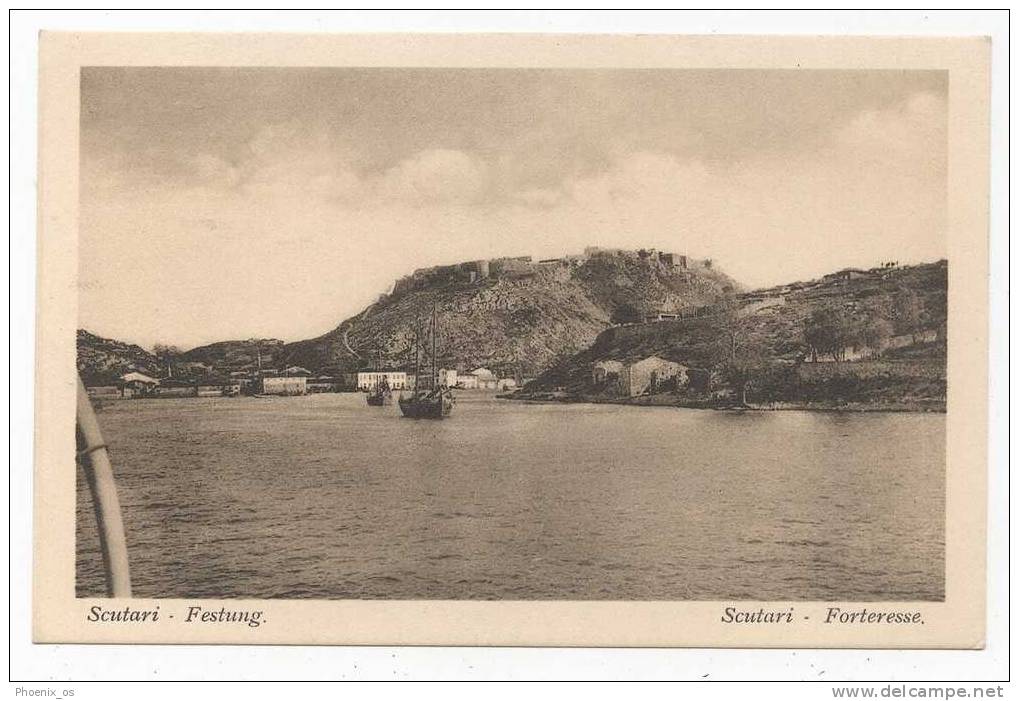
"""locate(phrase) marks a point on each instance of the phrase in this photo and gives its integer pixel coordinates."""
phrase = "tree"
(733, 328)
(167, 356)
(873, 333)
(625, 314)
(907, 312)
(741, 357)
(829, 331)
(741, 372)
(162, 350)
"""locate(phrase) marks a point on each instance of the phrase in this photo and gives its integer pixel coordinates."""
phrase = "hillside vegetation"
(104, 360)
(879, 339)
(237, 355)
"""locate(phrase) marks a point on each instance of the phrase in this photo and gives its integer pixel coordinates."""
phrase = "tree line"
(833, 329)
(828, 331)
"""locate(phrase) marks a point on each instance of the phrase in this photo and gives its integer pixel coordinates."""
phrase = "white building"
(369, 379)
(486, 378)
(140, 378)
(134, 384)
(447, 377)
(286, 386)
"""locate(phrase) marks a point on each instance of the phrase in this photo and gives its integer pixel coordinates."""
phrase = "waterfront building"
(447, 377)
(139, 379)
(486, 378)
(323, 383)
(191, 367)
(218, 387)
(367, 380)
(104, 392)
(606, 371)
(287, 386)
(172, 387)
(467, 381)
(137, 384)
(650, 375)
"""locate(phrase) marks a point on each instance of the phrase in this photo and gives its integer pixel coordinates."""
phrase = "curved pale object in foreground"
(95, 460)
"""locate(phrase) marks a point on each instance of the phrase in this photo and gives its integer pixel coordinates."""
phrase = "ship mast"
(417, 354)
(435, 333)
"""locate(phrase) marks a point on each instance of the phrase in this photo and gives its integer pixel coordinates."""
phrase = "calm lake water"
(323, 497)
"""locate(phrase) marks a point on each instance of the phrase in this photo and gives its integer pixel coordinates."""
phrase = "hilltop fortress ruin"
(521, 267)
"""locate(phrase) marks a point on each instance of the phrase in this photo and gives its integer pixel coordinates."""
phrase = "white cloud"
(911, 134)
(639, 177)
(292, 221)
(436, 176)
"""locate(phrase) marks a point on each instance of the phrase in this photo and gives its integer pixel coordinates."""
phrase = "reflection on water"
(323, 497)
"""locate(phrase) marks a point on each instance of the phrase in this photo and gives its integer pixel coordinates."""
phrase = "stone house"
(655, 317)
(847, 274)
(605, 371)
(651, 375)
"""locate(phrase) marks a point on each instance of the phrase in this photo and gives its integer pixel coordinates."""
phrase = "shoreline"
(926, 407)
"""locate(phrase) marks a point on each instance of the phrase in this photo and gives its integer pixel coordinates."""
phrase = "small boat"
(380, 394)
(434, 402)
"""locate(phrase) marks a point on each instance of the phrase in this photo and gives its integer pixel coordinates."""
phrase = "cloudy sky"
(231, 203)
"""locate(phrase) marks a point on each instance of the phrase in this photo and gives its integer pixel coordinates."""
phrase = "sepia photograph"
(372, 333)
(492, 340)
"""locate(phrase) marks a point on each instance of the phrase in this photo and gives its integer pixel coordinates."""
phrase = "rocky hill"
(237, 355)
(892, 323)
(558, 319)
(513, 315)
(102, 360)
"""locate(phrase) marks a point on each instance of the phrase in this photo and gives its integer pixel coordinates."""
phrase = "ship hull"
(380, 399)
(427, 407)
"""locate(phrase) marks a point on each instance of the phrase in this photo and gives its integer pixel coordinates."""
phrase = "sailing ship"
(431, 401)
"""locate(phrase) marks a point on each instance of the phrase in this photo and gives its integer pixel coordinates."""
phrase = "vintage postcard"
(512, 340)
